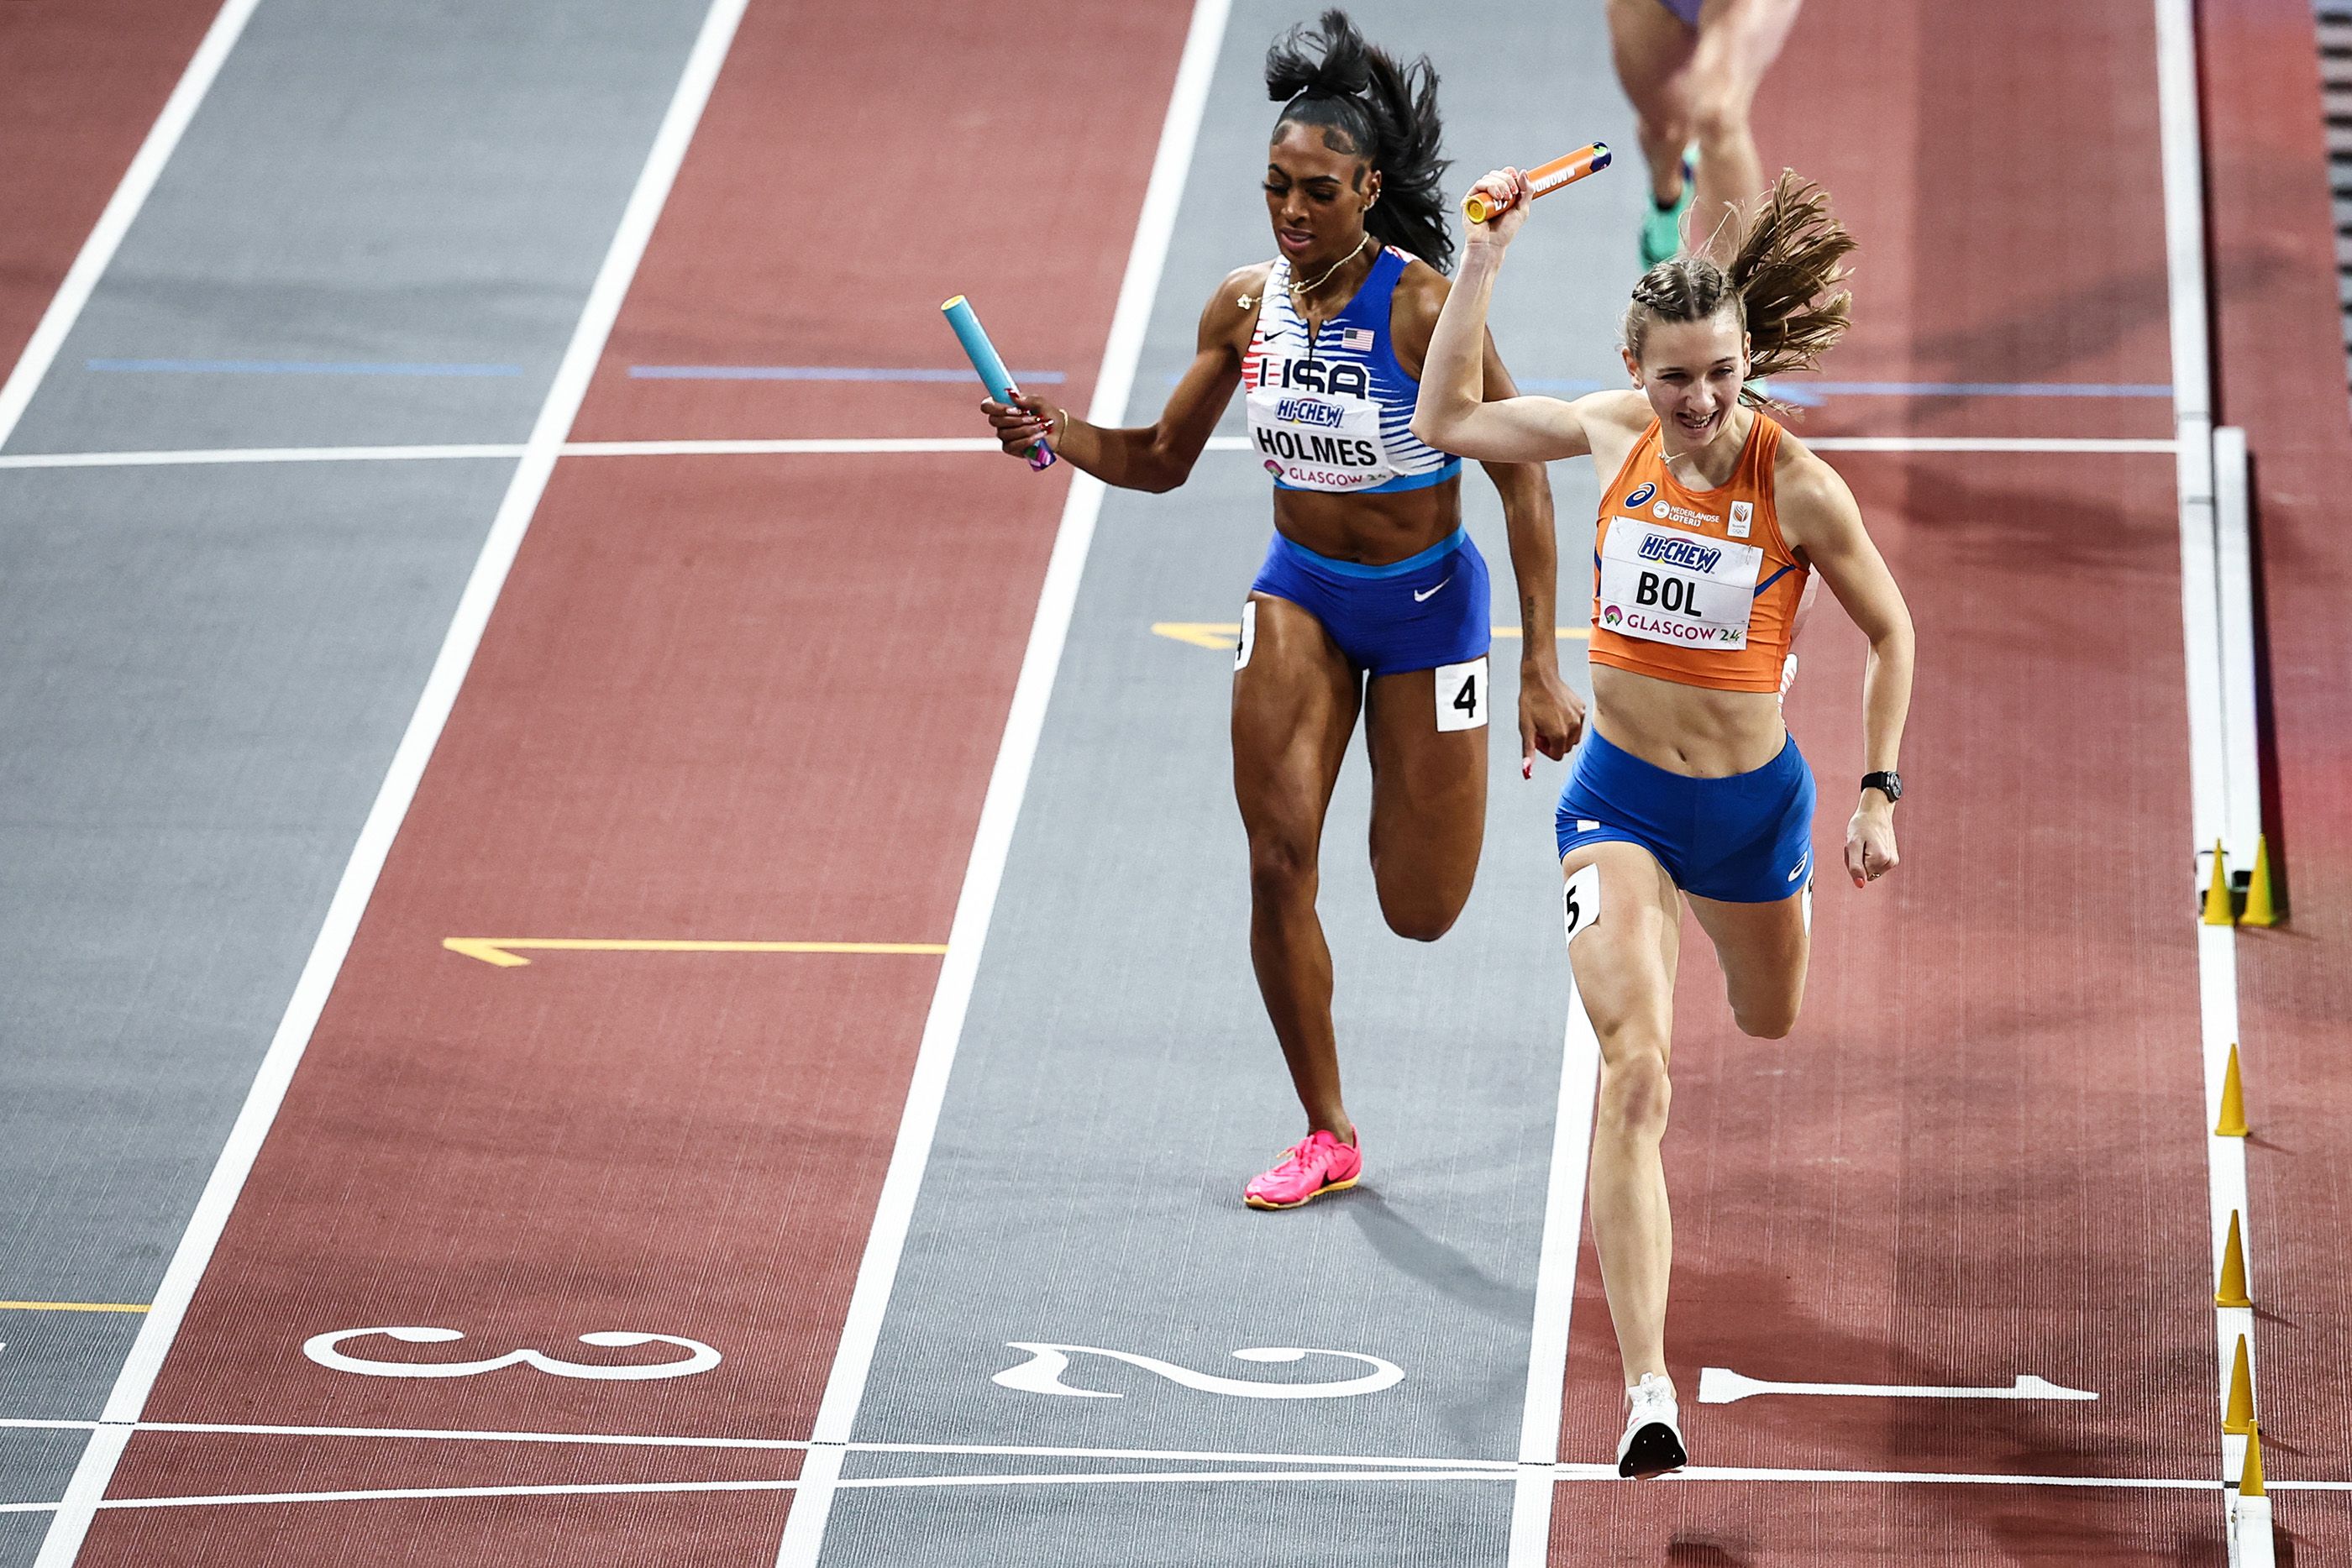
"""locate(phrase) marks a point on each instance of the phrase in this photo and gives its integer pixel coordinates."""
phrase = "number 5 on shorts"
(1462, 695)
(1579, 904)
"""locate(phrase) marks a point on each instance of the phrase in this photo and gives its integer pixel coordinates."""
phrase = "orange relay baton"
(1549, 177)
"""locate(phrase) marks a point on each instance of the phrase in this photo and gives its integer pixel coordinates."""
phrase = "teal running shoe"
(1661, 231)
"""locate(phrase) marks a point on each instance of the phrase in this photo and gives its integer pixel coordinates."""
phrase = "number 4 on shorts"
(1462, 695)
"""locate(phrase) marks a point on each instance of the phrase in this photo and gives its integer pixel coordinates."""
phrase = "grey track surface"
(1117, 1081)
(203, 672)
(426, 182)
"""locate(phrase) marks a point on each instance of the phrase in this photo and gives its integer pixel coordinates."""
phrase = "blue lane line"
(298, 368)
(820, 373)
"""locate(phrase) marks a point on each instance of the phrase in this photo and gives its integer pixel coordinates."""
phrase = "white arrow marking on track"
(1042, 1373)
(1720, 1385)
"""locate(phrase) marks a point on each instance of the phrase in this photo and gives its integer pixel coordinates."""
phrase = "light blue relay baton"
(990, 366)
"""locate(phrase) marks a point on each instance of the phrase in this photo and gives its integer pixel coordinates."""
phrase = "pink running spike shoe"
(1315, 1164)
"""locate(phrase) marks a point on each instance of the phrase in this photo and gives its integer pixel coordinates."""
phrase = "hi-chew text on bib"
(1668, 585)
(1318, 439)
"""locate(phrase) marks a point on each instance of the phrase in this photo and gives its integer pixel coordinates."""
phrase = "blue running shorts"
(1747, 839)
(1418, 613)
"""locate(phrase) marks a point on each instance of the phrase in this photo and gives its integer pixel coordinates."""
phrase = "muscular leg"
(1294, 707)
(1653, 53)
(1763, 949)
(1429, 805)
(1738, 42)
(1624, 966)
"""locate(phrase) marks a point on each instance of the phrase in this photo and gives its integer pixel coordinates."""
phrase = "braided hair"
(1787, 261)
(1365, 103)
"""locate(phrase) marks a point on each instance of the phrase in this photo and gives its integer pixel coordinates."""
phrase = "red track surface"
(2281, 377)
(81, 81)
(720, 698)
(1979, 1154)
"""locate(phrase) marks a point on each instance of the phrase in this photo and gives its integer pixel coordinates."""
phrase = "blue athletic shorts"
(1427, 610)
(1748, 839)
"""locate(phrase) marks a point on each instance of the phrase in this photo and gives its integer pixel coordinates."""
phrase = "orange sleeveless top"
(1695, 586)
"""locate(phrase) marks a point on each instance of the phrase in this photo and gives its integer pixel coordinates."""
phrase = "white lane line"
(877, 1270)
(208, 456)
(2182, 143)
(121, 210)
(128, 1401)
(1539, 1416)
(1696, 1475)
(1721, 1386)
(820, 446)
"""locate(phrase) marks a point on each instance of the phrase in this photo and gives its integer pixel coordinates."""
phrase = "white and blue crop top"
(1335, 413)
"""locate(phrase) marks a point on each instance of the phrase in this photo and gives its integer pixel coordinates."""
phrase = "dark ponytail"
(1359, 95)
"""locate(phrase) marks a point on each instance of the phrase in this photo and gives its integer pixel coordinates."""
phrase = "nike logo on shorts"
(1418, 598)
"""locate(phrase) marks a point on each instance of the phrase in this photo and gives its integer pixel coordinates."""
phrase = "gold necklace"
(1299, 289)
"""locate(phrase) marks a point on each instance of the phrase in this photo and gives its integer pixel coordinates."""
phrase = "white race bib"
(1317, 442)
(1668, 585)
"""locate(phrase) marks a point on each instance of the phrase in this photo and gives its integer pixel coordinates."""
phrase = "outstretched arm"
(1551, 716)
(1158, 456)
(1454, 413)
(1819, 518)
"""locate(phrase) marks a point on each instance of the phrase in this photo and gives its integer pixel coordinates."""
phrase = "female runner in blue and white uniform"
(1371, 595)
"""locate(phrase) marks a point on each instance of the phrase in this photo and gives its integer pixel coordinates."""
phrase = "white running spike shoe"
(1652, 1443)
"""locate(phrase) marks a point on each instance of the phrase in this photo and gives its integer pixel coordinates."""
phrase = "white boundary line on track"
(121, 210)
(2247, 1522)
(1575, 1474)
(799, 446)
(877, 1269)
(128, 1401)
(1563, 1231)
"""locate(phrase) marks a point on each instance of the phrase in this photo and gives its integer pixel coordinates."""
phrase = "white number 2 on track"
(1462, 695)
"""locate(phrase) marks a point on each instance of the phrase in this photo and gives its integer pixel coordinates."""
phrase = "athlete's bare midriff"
(1370, 530)
(1692, 730)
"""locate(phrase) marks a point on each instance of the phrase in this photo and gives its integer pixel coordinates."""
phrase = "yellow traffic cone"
(2216, 892)
(2233, 1293)
(2239, 1419)
(2233, 1122)
(2250, 1480)
(2261, 909)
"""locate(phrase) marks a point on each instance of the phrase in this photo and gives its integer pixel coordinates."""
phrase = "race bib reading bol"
(1316, 442)
(1667, 585)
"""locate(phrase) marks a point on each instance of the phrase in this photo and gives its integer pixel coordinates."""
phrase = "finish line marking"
(818, 447)
(1570, 1473)
(500, 950)
(1721, 1386)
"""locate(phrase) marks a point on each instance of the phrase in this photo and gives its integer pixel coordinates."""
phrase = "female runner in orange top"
(1687, 785)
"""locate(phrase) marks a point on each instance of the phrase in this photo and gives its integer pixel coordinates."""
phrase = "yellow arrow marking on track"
(1222, 635)
(500, 950)
(72, 1307)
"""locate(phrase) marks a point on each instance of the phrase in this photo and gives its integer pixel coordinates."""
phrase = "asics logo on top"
(1641, 494)
(1420, 595)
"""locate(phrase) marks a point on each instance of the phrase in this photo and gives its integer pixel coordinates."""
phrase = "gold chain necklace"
(1299, 289)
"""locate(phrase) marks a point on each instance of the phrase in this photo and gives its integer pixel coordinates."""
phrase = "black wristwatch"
(1888, 783)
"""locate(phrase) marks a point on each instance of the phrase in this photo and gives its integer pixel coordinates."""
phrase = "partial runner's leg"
(1652, 52)
(1624, 956)
(1429, 803)
(1295, 702)
(1763, 949)
(1738, 42)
